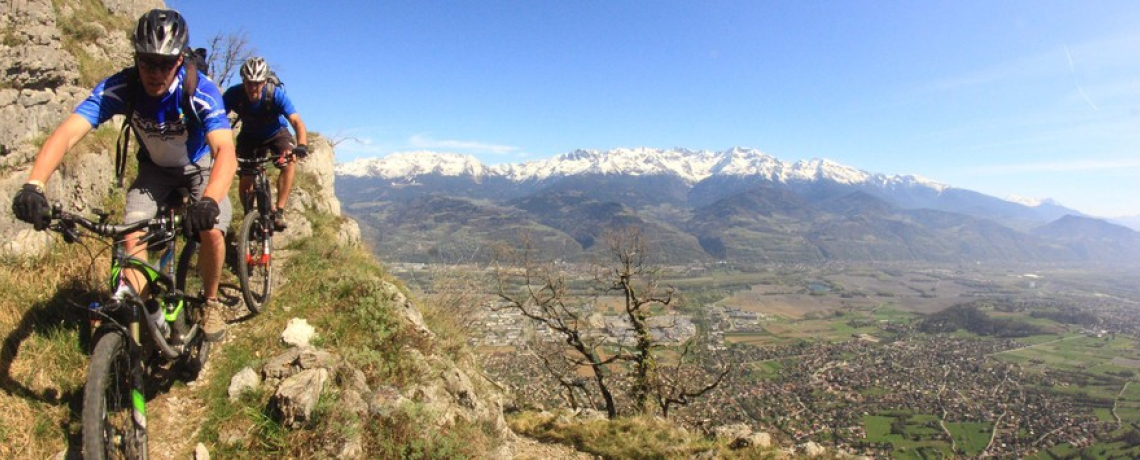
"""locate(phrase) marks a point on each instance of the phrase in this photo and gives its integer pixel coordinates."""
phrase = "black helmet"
(161, 32)
(255, 69)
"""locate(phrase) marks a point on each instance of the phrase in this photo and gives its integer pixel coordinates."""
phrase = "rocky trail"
(176, 416)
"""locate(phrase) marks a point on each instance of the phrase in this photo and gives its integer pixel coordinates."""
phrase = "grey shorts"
(156, 184)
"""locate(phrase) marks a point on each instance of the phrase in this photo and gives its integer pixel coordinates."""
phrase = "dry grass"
(627, 437)
(43, 360)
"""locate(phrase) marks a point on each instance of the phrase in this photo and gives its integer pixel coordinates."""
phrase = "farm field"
(1043, 364)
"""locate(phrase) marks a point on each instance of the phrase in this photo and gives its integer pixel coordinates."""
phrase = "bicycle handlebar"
(255, 161)
(66, 224)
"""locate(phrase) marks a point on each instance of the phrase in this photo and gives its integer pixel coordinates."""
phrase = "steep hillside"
(1093, 238)
(400, 380)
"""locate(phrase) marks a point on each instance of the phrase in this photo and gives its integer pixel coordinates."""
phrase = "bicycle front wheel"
(111, 404)
(186, 278)
(255, 262)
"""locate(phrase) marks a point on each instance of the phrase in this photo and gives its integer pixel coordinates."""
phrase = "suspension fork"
(262, 194)
(137, 374)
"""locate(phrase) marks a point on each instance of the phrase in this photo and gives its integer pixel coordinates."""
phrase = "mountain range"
(739, 205)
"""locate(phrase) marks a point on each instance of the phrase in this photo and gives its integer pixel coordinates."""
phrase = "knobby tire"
(256, 278)
(109, 429)
(187, 280)
(186, 277)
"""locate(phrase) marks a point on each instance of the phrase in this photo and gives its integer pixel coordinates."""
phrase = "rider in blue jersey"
(266, 113)
(177, 150)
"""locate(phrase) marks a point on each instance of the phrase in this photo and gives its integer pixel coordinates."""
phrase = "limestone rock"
(812, 449)
(296, 359)
(201, 453)
(385, 401)
(321, 163)
(761, 440)
(243, 381)
(134, 8)
(298, 333)
(298, 395)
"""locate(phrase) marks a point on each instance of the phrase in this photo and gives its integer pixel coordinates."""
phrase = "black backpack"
(198, 56)
(272, 82)
(190, 61)
(265, 110)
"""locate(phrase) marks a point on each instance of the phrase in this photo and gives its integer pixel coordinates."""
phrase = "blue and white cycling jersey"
(159, 121)
(263, 118)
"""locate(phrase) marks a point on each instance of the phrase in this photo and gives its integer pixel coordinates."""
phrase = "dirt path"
(175, 416)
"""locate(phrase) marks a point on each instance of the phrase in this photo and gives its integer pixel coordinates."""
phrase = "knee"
(211, 237)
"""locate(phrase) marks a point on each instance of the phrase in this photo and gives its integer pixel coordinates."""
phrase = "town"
(870, 382)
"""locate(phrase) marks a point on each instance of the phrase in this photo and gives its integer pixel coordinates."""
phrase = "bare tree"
(340, 136)
(227, 53)
(541, 293)
(557, 364)
(629, 276)
(682, 383)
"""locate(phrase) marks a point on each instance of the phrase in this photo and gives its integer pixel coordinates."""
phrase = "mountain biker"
(177, 150)
(266, 113)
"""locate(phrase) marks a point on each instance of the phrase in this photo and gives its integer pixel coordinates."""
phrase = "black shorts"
(276, 146)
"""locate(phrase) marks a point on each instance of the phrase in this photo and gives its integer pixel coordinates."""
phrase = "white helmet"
(161, 32)
(255, 69)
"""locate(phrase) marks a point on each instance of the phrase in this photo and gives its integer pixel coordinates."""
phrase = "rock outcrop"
(41, 85)
(301, 376)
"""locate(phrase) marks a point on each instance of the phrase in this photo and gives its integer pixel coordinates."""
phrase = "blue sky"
(1031, 98)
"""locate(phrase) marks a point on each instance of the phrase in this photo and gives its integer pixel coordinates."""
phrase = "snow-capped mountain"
(412, 164)
(674, 177)
(692, 166)
(1031, 202)
(736, 204)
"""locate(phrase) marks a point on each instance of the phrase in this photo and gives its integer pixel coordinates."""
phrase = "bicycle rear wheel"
(111, 403)
(255, 261)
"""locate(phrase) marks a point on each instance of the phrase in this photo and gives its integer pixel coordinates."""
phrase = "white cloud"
(424, 142)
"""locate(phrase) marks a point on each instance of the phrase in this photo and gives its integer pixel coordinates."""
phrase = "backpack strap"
(134, 86)
(123, 144)
(189, 87)
(270, 91)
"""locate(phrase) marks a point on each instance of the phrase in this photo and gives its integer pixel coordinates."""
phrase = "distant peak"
(690, 165)
(1032, 202)
(408, 164)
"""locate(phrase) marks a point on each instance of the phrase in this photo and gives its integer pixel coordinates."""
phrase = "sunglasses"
(159, 63)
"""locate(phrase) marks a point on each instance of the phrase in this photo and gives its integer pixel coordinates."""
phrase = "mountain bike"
(134, 335)
(255, 238)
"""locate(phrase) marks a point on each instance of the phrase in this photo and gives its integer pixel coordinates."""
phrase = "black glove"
(200, 215)
(31, 206)
(301, 151)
